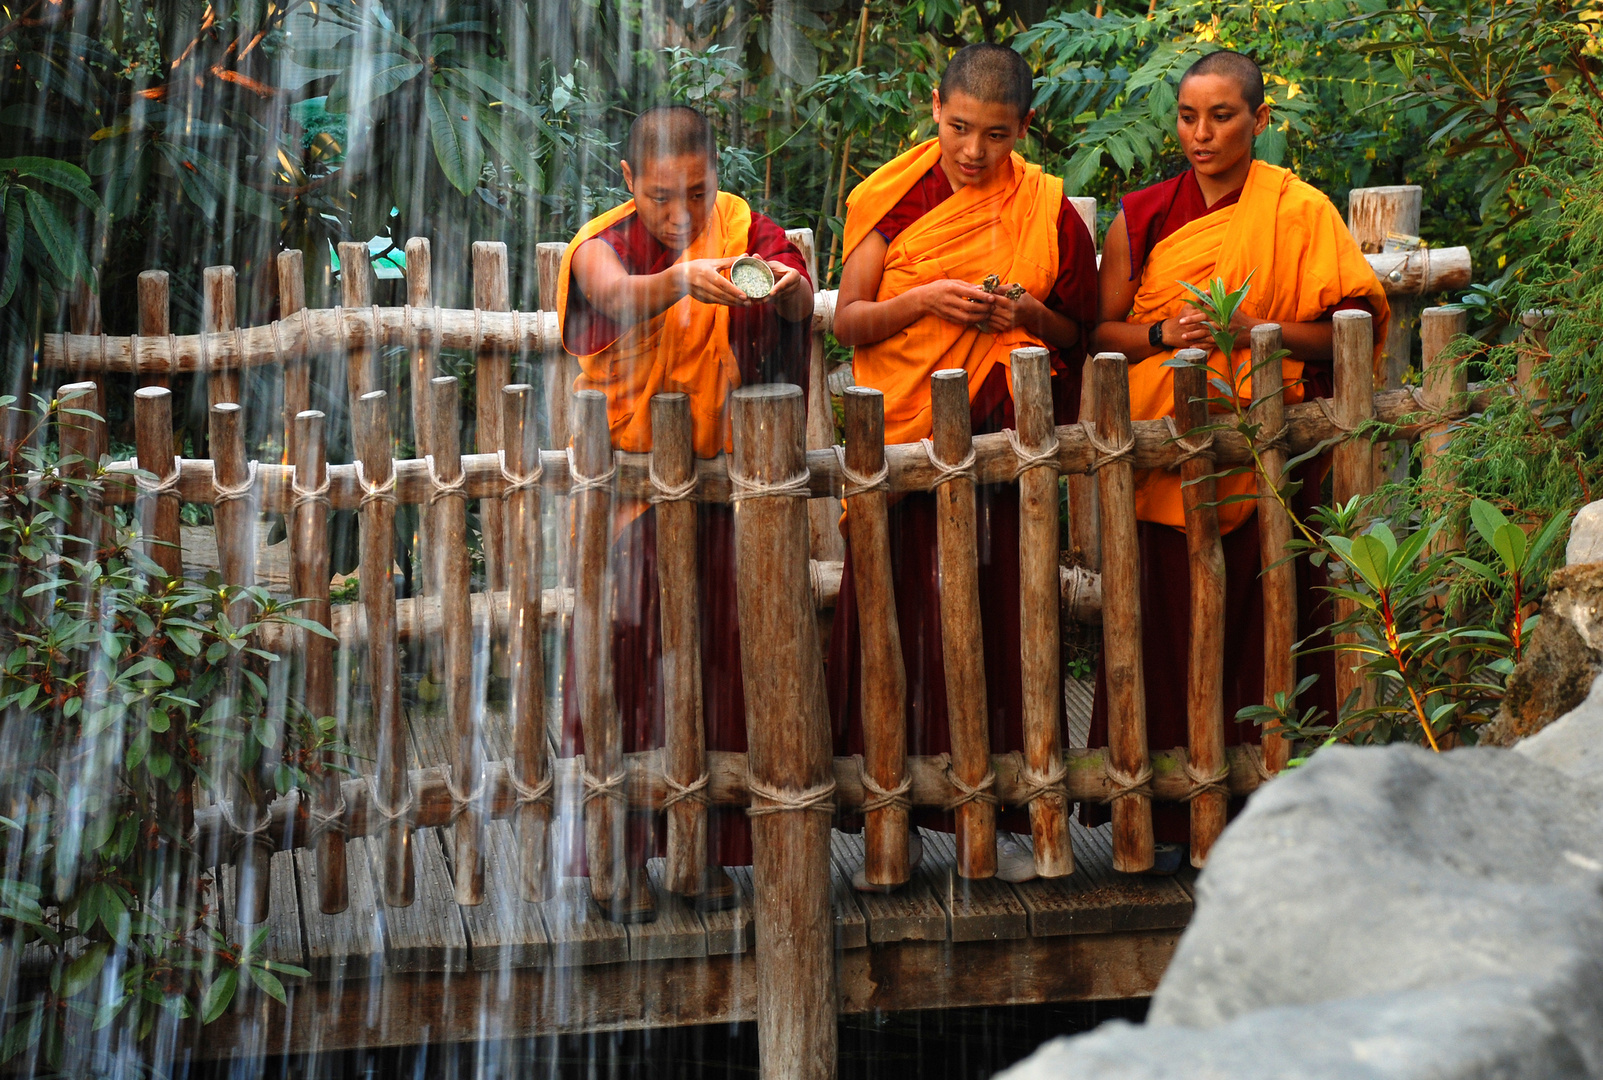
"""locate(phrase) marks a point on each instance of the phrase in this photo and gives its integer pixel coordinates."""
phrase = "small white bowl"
(752, 276)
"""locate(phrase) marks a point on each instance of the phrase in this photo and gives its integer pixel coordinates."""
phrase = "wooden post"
(1446, 382)
(153, 317)
(1532, 353)
(220, 313)
(1085, 517)
(356, 291)
(425, 357)
(235, 515)
(1205, 703)
(309, 561)
(448, 526)
(1353, 468)
(604, 806)
(962, 646)
(1274, 536)
(83, 305)
(787, 726)
(291, 268)
(393, 795)
(492, 372)
(823, 515)
(673, 459)
(158, 504)
(1038, 615)
(1122, 663)
(531, 766)
(1372, 215)
(884, 678)
(83, 437)
(555, 363)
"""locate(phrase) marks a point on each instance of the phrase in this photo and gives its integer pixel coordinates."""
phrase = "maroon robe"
(1150, 215)
(768, 349)
(914, 562)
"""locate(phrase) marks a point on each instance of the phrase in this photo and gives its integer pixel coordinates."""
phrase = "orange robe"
(1302, 262)
(1007, 227)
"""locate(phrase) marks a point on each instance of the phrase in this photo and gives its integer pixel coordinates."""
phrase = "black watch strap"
(1155, 335)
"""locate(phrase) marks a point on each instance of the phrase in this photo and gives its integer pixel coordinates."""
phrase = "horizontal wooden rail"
(332, 330)
(1087, 781)
(910, 468)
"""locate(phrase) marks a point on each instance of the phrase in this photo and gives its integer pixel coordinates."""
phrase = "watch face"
(1155, 335)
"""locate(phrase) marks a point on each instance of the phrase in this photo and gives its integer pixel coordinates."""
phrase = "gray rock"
(1586, 535)
(1384, 912)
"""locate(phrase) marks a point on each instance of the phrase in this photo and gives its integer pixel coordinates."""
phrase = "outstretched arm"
(628, 299)
(862, 320)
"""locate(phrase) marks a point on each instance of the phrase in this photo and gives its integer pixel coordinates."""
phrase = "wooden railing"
(788, 779)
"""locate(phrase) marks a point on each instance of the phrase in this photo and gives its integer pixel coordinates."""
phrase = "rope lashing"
(306, 336)
(529, 794)
(224, 493)
(326, 821)
(1255, 755)
(1188, 449)
(1205, 783)
(308, 496)
(167, 485)
(172, 354)
(946, 472)
(1031, 457)
(461, 803)
(256, 834)
(372, 493)
(882, 798)
(1324, 407)
(662, 491)
(1038, 784)
(695, 791)
(455, 488)
(1125, 784)
(820, 798)
(517, 482)
(597, 788)
(578, 482)
(861, 483)
(745, 487)
(392, 814)
(966, 793)
(1106, 453)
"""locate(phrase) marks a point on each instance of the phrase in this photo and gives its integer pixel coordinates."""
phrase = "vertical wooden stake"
(1274, 538)
(490, 293)
(823, 515)
(377, 575)
(1372, 214)
(1533, 352)
(153, 318)
(356, 291)
(291, 268)
(309, 560)
(1353, 469)
(1446, 383)
(425, 357)
(604, 807)
(1205, 702)
(884, 677)
(219, 314)
(1122, 663)
(787, 724)
(531, 767)
(82, 437)
(962, 645)
(158, 509)
(1039, 661)
(1085, 518)
(555, 362)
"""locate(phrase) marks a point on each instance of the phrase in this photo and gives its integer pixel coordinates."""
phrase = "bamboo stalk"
(309, 561)
(291, 268)
(1038, 613)
(1121, 620)
(1205, 703)
(1274, 536)
(220, 314)
(356, 292)
(962, 644)
(448, 524)
(1353, 470)
(592, 645)
(378, 597)
(153, 317)
(674, 458)
(787, 726)
(525, 644)
(884, 677)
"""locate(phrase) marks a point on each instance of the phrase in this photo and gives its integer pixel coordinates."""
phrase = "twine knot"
(1127, 784)
(454, 488)
(529, 794)
(1325, 407)
(1039, 784)
(695, 791)
(946, 472)
(392, 814)
(223, 493)
(372, 493)
(1255, 756)
(1205, 783)
(461, 803)
(327, 821)
(517, 482)
(1106, 453)
(746, 487)
(861, 483)
(820, 798)
(662, 491)
(1188, 449)
(578, 482)
(1031, 457)
(167, 485)
(966, 793)
(307, 496)
(883, 798)
(597, 788)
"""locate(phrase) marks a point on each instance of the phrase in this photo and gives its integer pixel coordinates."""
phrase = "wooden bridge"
(424, 896)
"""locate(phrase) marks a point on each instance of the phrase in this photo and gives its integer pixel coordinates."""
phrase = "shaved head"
(667, 131)
(1241, 69)
(990, 73)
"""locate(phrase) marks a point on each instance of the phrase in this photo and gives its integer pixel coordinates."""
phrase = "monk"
(1226, 217)
(645, 304)
(921, 233)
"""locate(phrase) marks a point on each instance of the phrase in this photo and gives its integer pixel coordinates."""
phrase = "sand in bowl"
(752, 276)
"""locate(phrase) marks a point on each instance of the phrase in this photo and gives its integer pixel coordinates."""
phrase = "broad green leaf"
(268, 982)
(1509, 543)
(456, 140)
(1486, 518)
(82, 971)
(61, 174)
(218, 995)
(14, 244)
(54, 233)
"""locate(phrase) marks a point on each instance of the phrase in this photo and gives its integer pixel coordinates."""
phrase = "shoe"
(915, 855)
(1167, 859)
(1014, 862)
(718, 892)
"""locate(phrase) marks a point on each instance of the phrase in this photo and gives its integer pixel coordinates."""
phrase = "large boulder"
(1386, 912)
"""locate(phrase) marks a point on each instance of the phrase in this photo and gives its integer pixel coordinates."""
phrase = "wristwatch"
(1155, 335)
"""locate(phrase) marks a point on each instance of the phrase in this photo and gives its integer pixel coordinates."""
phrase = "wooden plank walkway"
(385, 976)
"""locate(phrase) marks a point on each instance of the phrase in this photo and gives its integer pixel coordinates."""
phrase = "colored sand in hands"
(752, 276)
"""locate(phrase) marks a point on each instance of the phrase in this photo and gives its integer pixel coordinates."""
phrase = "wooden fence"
(784, 479)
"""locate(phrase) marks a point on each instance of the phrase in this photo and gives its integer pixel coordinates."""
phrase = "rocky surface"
(1388, 912)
